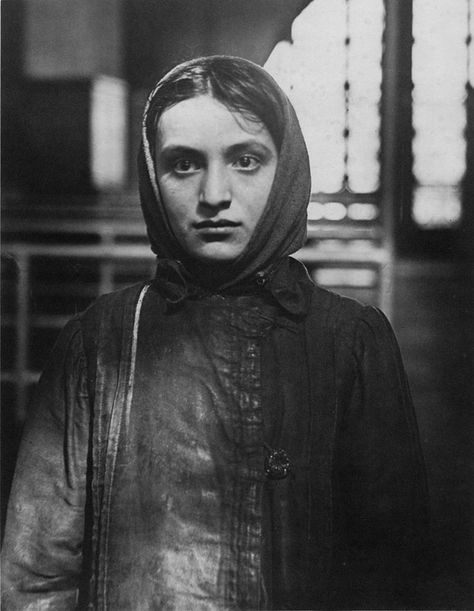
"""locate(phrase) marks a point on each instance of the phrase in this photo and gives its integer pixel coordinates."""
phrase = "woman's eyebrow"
(171, 150)
(241, 147)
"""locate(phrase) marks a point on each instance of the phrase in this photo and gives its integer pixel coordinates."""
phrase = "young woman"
(228, 435)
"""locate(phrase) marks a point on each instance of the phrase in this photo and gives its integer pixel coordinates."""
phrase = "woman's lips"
(222, 226)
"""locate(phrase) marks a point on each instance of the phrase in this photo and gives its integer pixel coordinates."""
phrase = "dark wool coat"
(344, 528)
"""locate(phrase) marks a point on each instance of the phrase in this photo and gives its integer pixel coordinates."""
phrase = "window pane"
(436, 207)
(439, 72)
(365, 79)
(471, 45)
(336, 42)
(438, 145)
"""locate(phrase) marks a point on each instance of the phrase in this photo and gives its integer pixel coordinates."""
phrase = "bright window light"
(362, 212)
(471, 46)
(334, 211)
(315, 211)
(437, 207)
(346, 277)
(439, 72)
(334, 42)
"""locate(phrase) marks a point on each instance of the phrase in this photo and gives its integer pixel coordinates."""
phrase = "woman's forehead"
(204, 120)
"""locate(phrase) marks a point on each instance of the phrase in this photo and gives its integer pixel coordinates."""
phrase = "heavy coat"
(343, 529)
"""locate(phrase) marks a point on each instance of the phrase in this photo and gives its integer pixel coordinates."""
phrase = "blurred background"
(384, 93)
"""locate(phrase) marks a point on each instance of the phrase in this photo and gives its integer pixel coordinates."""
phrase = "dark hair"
(238, 84)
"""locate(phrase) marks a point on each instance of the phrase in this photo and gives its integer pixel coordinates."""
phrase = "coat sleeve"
(42, 551)
(382, 485)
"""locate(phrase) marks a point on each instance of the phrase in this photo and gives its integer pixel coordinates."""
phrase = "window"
(332, 73)
(440, 71)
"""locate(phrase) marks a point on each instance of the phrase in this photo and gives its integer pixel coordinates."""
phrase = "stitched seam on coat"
(133, 355)
(115, 426)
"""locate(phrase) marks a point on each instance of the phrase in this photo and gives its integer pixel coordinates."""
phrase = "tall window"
(440, 71)
(332, 73)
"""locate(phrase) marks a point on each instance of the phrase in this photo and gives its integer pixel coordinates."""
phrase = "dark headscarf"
(281, 229)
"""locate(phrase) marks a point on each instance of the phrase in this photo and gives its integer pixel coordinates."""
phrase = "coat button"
(261, 278)
(277, 464)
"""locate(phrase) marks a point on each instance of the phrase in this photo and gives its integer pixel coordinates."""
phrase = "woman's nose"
(215, 186)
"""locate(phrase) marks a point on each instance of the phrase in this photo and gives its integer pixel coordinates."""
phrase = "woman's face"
(215, 169)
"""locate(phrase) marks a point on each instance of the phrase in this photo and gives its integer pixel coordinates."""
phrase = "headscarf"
(280, 231)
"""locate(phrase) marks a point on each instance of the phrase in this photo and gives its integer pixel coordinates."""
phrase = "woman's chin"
(216, 253)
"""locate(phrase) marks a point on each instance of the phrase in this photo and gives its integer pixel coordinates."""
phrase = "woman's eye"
(247, 162)
(185, 166)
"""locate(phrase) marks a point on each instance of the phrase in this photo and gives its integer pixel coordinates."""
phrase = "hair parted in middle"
(238, 84)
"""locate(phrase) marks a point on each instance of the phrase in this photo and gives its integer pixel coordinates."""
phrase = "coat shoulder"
(112, 305)
(344, 309)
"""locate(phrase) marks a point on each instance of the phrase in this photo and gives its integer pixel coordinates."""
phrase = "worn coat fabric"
(343, 529)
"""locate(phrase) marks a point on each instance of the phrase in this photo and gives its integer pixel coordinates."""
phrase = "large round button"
(277, 464)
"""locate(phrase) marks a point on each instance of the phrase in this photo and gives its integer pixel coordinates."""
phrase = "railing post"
(22, 332)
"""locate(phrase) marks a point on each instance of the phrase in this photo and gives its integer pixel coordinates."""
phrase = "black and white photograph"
(237, 305)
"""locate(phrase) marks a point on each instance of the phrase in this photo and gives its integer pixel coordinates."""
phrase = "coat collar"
(286, 282)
